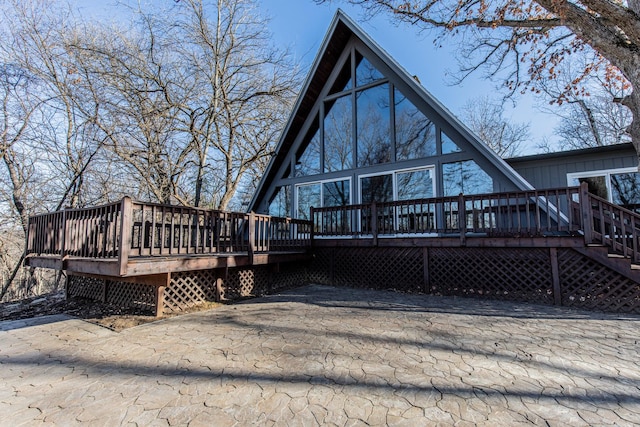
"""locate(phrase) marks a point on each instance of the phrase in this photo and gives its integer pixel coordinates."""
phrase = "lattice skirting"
(191, 288)
(518, 274)
(589, 284)
(112, 292)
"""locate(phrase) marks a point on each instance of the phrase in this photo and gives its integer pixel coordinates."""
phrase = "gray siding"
(550, 170)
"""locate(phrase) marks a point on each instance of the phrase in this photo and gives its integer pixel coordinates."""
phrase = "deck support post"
(126, 213)
(163, 283)
(586, 213)
(555, 276)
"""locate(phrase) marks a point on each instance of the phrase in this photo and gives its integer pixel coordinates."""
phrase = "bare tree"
(237, 95)
(524, 41)
(590, 118)
(486, 118)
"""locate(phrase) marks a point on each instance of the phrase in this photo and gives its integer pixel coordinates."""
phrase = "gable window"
(447, 144)
(366, 73)
(415, 133)
(373, 117)
(620, 186)
(465, 177)
(338, 143)
(308, 161)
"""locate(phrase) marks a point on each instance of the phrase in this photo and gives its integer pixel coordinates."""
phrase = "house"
(374, 183)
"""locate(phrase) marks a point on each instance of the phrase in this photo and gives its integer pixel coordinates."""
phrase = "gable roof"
(340, 31)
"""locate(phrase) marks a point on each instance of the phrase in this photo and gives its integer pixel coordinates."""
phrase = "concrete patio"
(331, 356)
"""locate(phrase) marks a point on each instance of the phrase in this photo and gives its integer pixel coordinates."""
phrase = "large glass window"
(373, 116)
(415, 133)
(308, 196)
(308, 158)
(377, 188)
(338, 144)
(336, 193)
(416, 184)
(465, 177)
(280, 205)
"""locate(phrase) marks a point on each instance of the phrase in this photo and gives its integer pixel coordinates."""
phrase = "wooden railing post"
(126, 214)
(586, 213)
(462, 219)
(313, 225)
(63, 238)
(252, 236)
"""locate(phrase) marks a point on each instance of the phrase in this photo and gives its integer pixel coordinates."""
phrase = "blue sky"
(301, 25)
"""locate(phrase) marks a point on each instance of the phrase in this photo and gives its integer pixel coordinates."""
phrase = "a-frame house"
(374, 184)
(363, 130)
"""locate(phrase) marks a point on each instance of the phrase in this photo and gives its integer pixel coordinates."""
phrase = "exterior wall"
(550, 170)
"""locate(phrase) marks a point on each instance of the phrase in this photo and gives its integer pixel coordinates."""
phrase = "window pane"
(374, 139)
(365, 71)
(308, 161)
(336, 193)
(597, 185)
(465, 177)
(415, 133)
(376, 189)
(338, 146)
(625, 188)
(343, 81)
(448, 146)
(281, 203)
(308, 195)
(415, 185)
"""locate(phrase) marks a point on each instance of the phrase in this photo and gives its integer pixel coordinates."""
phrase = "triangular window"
(448, 146)
(365, 71)
(343, 81)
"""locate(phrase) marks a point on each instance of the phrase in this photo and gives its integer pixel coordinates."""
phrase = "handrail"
(130, 229)
(614, 227)
(516, 213)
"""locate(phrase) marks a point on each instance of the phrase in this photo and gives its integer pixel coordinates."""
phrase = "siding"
(550, 170)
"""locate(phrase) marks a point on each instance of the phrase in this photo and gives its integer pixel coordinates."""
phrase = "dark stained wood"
(555, 276)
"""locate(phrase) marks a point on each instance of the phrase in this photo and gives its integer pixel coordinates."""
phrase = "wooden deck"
(561, 245)
(135, 239)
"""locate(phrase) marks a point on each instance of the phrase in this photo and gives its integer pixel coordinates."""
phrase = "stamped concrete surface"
(330, 356)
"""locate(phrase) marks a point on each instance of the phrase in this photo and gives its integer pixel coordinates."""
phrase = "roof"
(340, 31)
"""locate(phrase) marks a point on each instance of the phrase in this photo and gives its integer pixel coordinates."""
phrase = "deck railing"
(149, 229)
(521, 213)
(130, 229)
(615, 227)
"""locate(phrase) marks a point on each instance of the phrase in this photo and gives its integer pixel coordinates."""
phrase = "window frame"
(602, 172)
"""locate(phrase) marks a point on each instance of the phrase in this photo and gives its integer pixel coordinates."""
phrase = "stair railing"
(610, 225)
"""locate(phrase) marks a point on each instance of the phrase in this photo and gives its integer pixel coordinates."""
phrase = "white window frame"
(394, 184)
(321, 182)
(602, 172)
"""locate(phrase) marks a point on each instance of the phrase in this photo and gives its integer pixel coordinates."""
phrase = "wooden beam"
(126, 212)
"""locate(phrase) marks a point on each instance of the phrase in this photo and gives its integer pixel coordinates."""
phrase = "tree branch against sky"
(523, 42)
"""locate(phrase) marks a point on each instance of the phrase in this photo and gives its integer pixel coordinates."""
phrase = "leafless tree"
(486, 118)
